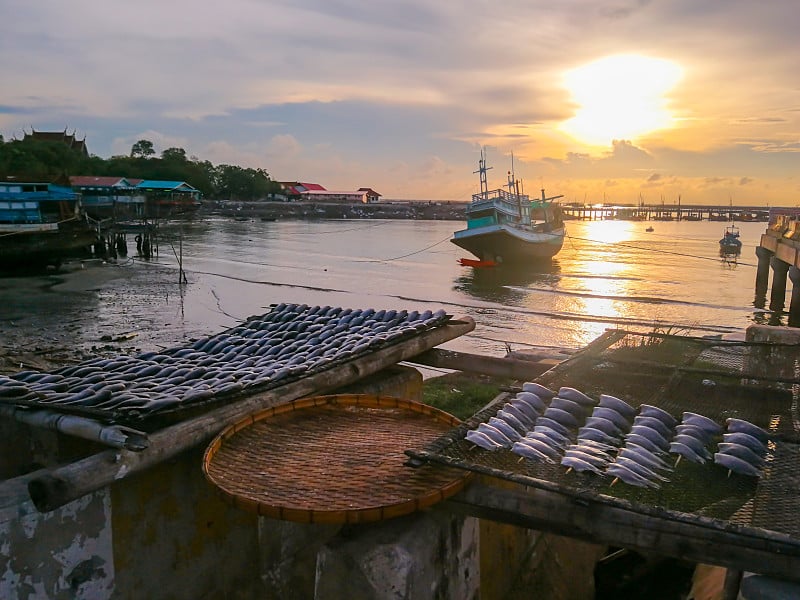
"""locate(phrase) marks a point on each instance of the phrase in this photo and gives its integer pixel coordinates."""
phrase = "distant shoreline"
(415, 210)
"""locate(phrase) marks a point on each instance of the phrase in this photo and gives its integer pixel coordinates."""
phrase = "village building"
(63, 137)
(314, 192)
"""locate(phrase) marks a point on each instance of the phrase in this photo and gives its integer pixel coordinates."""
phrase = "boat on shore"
(507, 226)
(41, 224)
(730, 242)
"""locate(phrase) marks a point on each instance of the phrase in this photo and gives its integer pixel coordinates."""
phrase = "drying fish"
(604, 425)
(742, 452)
(694, 431)
(600, 446)
(572, 394)
(532, 400)
(653, 423)
(639, 468)
(595, 460)
(684, 451)
(523, 407)
(574, 463)
(538, 389)
(524, 419)
(651, 434)
(569, 406)
(509, 418)
(737, 465)
(647, 410)
(553, 424)
(634, 439)
(506, 428)
(620, 472)
(614, 403)
(556, 438)
(644, 457)
(742, 426)
(693, 443)
(561, 416)
(528, 451)
(542, 446)
(745, 439)
(590, 433)
(613, 416)
(481, 439)
(701, 421)
(495, 435)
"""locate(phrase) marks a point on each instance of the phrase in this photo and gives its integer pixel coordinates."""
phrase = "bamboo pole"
(61, 485)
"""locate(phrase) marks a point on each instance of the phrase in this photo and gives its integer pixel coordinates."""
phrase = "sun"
(620, 97)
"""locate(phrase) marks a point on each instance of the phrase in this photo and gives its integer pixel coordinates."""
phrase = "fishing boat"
(507, 226)
(730, 241)
(41, 224)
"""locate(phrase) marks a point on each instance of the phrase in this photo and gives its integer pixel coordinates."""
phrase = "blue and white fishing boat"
(506, 226)
(730, 242)
(41, 224)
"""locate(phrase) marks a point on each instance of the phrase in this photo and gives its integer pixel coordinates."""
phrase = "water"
(609, 274)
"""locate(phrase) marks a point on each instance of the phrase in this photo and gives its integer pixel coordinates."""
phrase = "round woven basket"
(332, 459)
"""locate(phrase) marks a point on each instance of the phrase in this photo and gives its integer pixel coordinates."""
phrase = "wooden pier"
(666, 212)
(779, 250)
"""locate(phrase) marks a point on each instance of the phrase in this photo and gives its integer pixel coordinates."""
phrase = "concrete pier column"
(794, 304)
(777, 298)
(762, 274)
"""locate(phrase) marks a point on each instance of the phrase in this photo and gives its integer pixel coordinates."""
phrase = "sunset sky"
(597, 99)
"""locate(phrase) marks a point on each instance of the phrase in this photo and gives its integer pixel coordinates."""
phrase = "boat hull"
(505, 244)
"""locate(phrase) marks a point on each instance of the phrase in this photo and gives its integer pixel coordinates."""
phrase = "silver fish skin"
(511, 433)
(556, 438)
(737, 465)
(694, 431)
(629, 477)
(694, 444)
(596, 461)
(613, 416)
(701, 421)
(604, 425)
(530, 452)
(644, 457)
(591, 450)
(521, 416)
(745, 439)
(566, 419)
(534, 401)
(577, 464)
(590, 433)
(553, 424)
(538, 389)
(686, 452)
(742, 426)
(742, 452)
(509, 418)
(653, 423)
(571, 393)
(603, 447)
(482, 440)
(639, 468)
(524, 407)
(570, 406)
(542, 447)
(651, 434)
(495, 435)
(648, 410)
(614, 403)
(634, 439)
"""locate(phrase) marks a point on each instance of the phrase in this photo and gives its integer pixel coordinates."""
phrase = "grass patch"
(462, 394)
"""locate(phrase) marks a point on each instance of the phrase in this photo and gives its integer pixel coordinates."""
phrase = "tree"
(174, 154)
(143, 149)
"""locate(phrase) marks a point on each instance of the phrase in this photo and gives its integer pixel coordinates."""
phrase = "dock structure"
(665, 212)
(779, 250)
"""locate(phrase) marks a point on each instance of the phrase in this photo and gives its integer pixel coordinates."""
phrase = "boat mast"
(513, 187)
(482, 168)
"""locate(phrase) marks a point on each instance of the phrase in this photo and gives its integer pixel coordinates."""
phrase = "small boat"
(650, 229)
(41, 224)
(506, 226)
(730, 241)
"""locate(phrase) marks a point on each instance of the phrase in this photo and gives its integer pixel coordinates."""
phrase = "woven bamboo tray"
(332, 459)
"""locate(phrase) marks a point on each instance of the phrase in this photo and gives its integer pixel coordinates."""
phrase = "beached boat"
(41, 224)
(730, 241)
(506, 226)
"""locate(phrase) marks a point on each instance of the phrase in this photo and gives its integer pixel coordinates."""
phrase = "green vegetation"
(48, 161)
(461, 394)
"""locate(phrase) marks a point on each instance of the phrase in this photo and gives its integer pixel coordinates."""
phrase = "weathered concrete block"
(432, 555)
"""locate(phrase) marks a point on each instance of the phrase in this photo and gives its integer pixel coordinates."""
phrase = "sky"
(619, 101)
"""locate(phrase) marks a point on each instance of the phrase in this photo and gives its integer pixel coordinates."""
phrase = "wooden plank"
(698, 541)
(509, 368)
(61, 485)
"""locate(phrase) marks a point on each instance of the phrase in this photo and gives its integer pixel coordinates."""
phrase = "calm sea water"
(609, 274)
